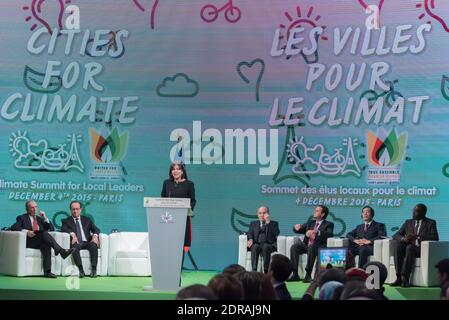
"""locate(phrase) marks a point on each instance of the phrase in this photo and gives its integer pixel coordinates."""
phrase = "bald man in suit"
(262, 238)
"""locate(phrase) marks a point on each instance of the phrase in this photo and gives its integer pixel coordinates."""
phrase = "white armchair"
(18, 260)
(245, 255)
(424, 273)
(129, 254)
(68, 265)
(344, 242)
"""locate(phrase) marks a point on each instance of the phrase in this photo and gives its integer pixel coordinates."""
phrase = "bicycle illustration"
(111, 45)
(390, 95)
(209, 13)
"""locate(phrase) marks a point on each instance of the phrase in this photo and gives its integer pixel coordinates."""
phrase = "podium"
(166, 218)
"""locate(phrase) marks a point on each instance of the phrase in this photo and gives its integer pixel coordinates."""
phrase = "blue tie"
(79, 235)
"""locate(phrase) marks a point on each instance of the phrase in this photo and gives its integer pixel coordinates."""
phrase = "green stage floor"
(130, 288)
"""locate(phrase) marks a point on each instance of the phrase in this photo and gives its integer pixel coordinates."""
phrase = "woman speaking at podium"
(178, 186)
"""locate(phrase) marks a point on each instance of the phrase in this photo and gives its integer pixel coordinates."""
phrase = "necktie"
(35, 225)
(417, 227)
(366, 226)
(312, 237)
(79, 235)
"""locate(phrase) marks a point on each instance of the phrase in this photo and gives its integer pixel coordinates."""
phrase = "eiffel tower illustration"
(350, 165)
(74, 160)
(284, 171)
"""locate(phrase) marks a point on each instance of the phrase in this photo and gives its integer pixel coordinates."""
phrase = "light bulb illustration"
(46, 12)
(432, 10)
(153, 10)
(308, 22)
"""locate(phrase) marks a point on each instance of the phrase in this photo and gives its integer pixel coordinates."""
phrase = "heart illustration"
(248, 65)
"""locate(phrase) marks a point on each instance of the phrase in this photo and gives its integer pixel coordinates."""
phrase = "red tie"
(35, 225)
(366, 226)
(312, 237)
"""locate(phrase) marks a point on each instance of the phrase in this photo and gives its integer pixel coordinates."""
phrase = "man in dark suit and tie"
(84, 235)
(407, 243)
(37, 228)
(361, 239)
(316, 231)
(262, 238)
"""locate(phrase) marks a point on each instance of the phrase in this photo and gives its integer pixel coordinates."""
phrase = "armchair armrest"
(377, 248)
(337, 242)
(104, 248)
(431, 253)
(281, 245)
(12, 252)
(243, 241)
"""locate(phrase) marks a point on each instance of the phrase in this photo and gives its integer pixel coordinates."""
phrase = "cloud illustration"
(179, 86)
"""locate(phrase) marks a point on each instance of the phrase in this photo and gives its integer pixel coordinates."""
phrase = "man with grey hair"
(37, 226)
(262, 238)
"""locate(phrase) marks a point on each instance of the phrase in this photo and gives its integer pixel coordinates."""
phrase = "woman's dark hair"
(226, 287)
(196, 291)
(233, 269)
(256, 286)
(181, 166)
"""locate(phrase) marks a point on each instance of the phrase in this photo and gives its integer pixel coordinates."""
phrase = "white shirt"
(419, 224)
(32, 221)
(319, 225)
(82, 231)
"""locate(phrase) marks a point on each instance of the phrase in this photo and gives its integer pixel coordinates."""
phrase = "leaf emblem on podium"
(240, 221)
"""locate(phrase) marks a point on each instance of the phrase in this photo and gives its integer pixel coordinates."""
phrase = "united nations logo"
(166, 218)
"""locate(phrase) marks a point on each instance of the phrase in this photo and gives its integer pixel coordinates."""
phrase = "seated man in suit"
(316, 233)
(37, 228)
(361, 239)
(84, 235)
(407, 243)
(262, 238)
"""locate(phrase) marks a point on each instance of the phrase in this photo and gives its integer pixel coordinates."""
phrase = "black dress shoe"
(307, 279)
(93, 274)
(397, 283)
(50, 275)
(293, 277)
(66, 252)
(82, 274)
(405, 282)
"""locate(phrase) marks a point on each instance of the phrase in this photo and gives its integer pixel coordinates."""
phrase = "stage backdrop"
(288, 103)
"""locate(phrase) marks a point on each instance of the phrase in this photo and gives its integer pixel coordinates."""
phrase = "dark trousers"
(266, 249)
(363, 252)
(93, 250)
(300, 248)
(404, 257)
(44, 242)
